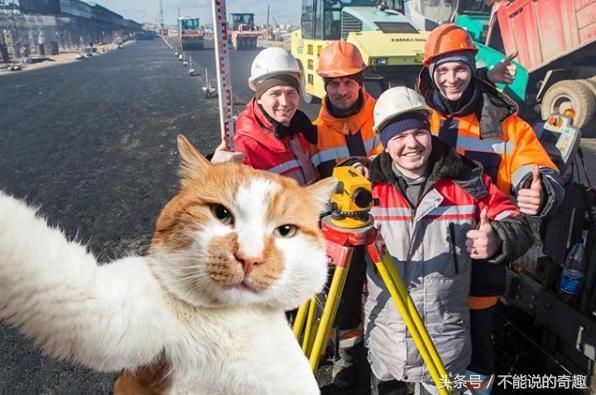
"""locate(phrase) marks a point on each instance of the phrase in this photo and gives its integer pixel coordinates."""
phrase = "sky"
(285, 12)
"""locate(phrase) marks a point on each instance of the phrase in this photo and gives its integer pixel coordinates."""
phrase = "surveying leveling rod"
(222, 67)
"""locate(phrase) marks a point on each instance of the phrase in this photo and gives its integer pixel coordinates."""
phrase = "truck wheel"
(573, 97)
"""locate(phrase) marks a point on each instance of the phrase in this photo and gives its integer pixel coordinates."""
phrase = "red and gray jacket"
(427, 243)
(287, 156)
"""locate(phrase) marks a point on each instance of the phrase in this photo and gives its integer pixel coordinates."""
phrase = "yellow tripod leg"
(310, 325)
(397, 295)
(300, 318)
(417, 320)
(329, 313)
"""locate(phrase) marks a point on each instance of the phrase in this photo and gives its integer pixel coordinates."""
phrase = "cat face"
(238, 236)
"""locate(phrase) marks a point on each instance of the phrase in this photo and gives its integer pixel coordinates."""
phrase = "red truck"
(556, 41)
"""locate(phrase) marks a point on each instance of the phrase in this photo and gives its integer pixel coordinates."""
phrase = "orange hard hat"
(447, 39)
(340, 59)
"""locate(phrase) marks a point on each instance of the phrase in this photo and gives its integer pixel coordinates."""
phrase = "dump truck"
(244, 34)
(390, 45)
(556, 41)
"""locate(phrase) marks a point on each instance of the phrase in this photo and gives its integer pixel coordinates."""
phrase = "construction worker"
(344, 130)
(439, 215)
(482, 124)
(271, 130)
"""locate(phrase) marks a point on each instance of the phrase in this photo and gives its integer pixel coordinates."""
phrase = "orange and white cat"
(231, 251)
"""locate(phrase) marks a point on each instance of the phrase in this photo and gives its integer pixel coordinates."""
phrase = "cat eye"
(285, 231)
(222, 214)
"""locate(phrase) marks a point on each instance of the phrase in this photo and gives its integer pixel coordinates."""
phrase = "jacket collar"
(496, 106)
(445, 164)
(351, 124)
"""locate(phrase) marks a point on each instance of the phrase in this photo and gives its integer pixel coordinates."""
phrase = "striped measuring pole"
(222, 66)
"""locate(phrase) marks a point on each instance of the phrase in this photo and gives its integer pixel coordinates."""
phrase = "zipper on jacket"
(452, 243)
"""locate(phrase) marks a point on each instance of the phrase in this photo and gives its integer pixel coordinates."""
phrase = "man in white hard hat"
(439, 214)
(271, 130)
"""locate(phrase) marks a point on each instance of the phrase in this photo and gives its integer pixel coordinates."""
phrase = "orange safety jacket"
(341, 138)
(501, 141)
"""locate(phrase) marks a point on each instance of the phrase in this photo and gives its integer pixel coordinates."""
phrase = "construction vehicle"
(244, 33)
(556, 42)
(390, 45)
(190, 34)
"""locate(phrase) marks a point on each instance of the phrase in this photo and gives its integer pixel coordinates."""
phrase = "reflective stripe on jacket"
(288, 156)
(341, 138)
(432, 261)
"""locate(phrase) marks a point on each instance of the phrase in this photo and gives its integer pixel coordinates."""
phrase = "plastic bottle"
(573, 272)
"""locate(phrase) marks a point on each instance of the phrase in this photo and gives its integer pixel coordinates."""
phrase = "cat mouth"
(244, 286)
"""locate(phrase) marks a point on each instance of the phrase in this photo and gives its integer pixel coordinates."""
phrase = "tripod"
(342, 237)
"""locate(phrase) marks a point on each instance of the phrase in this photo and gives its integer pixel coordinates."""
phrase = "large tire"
(571, 94)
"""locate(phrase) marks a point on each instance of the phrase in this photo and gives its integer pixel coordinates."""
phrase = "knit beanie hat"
(412, 120)
(276, 80)
(465, 57)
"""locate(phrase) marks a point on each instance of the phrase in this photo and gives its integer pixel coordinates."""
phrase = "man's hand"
(503, 72)
(482, 243)
(529, 199)
(222, 155)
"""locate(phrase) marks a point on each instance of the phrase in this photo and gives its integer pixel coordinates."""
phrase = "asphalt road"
(93, 144)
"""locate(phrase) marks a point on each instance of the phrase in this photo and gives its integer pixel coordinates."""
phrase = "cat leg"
(107, 317)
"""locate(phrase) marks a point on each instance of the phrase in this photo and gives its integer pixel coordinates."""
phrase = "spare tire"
(573, 95)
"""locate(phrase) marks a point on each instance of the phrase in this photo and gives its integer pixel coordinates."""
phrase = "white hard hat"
(396, 101)
(273, 61)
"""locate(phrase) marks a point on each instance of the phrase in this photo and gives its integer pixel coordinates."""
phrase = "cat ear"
(192, 162)
(321, 192)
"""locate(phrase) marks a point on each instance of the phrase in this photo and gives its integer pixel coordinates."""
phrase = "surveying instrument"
(348, 226)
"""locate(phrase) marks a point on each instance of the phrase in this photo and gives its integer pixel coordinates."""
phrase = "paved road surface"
(93, 143)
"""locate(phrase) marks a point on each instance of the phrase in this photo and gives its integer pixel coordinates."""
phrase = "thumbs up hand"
(529, 199)
(483, 242)
(504, 71)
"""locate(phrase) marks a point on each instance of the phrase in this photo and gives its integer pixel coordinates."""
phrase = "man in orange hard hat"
(345, 130)
(482, 124)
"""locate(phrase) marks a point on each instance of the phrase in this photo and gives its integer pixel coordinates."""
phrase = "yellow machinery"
(244, 34)
(190, 34)
(390, 45)
(348, 226)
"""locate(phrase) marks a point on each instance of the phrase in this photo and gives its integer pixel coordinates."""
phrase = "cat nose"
(248, 262)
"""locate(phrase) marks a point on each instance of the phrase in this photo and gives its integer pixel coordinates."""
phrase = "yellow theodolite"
(350, 225)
